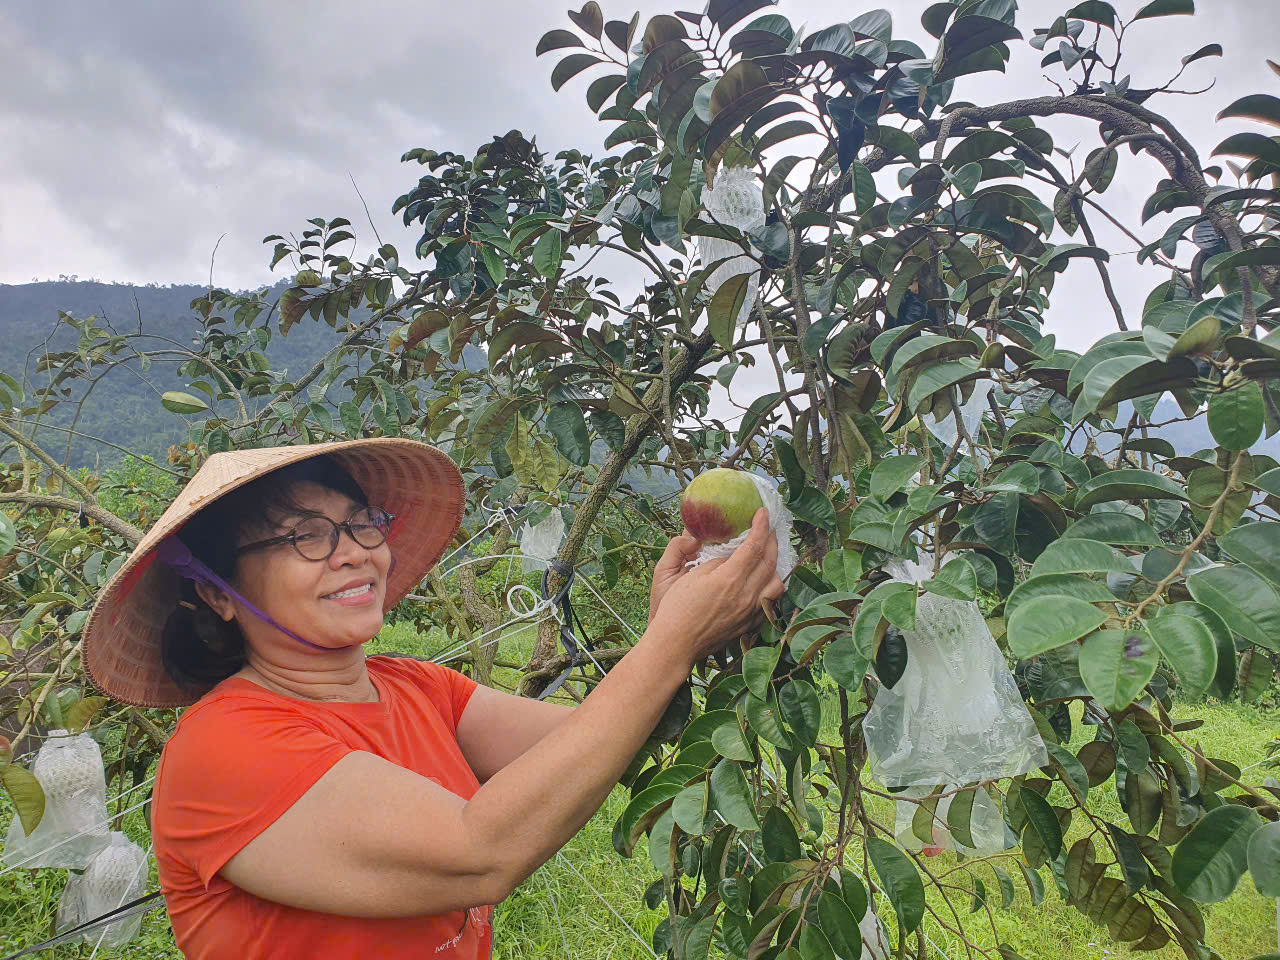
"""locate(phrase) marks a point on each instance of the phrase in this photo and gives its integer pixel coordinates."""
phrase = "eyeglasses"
(315, 538)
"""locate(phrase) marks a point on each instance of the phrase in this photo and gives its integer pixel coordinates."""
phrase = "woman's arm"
(373, 839)
(497, 727)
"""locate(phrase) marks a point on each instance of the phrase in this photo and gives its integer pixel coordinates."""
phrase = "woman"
(315, 803)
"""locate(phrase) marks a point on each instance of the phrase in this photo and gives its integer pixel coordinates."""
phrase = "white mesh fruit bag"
(955, 715)
(116, 876)
(779, 522)
(734, 200)
(74, 825)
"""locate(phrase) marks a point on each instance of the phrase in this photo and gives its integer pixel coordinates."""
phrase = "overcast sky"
(134, 134)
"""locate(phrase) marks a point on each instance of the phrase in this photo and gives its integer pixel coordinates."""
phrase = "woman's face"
(332, 603)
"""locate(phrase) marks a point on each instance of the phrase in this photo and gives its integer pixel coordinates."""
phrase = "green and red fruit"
(720, 504)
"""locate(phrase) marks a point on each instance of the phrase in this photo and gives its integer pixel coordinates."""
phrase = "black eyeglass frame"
(292, 536)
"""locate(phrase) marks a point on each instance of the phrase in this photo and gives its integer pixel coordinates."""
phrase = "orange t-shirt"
(242, 755)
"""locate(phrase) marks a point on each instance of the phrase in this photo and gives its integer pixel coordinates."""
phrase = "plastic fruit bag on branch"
(115, 876)
(74, 826)
(734, 200)
(924, 827)
(971, 411)
(955, 715)
(718, 507)
(540, 542)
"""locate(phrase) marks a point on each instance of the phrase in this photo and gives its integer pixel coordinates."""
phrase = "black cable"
(117, 914)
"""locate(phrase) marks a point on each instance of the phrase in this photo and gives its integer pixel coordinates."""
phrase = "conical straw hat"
(416, 482)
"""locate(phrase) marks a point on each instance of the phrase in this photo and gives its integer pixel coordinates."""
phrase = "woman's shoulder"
(408, 668)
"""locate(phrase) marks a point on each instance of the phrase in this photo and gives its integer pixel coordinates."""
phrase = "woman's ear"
(218, 602)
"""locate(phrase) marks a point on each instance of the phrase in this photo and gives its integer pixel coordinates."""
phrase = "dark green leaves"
(1042, 820)
(1117, 664)
(570, 67)
(569, 427)
(900, 881)
(1189, 647)
(731, 796)
(839, 925)
(722, 312)
(892, 474)
(547, 253)
(1046, 622)
(1166, 8)
(1248, 603)
(1264, 859)
(1212, 858)
(1258, 545)
(1236, 417)
(176, 401)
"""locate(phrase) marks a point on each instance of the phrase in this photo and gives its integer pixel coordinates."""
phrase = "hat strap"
(175, 554)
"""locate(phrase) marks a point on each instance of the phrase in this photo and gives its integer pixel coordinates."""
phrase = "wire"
(77, 836)
(569, 863)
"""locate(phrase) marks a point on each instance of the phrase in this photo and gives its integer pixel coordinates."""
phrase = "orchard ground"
(559, 913)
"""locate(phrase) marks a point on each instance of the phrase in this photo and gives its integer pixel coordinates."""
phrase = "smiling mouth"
(353, 592)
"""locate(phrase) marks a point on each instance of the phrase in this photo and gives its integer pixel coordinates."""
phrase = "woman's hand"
(713, 604)
(671, 568)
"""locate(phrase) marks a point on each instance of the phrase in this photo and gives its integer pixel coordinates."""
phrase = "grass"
(563, 909)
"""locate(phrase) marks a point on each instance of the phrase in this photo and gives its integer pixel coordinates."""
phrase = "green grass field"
(566, 909)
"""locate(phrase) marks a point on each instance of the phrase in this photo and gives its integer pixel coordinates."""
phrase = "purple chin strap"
(175, 554)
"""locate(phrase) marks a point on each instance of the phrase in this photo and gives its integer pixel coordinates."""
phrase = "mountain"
(124, 407)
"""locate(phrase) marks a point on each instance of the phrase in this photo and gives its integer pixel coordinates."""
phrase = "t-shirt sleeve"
(229, 772)
(454, 686)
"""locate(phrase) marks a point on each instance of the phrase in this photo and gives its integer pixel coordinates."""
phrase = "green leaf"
(996, 522)
(25, 792)
(1264, 859)
(570, 67)
(960, 817)
(1248, 603)
(81, 713)
(1189, 647)
(892, 474)
(801, 709)
(1128, 485)
(900, 881)
(1256, 544)
(1212, 858)
(1057, 585)
(1041, 819)
(8, 534)
(567, 424)
(1236, 417)
(722, 312)
(839, 925)
(1166, 8)
(957, 579)
(1077, 555)
(1117, 529)
(175, 401)
(1072, 770)
(689, 809)
(1022, 478)
(547, 253)
(842, 568)
(844, 663)
(1046, 622)
(730, 743)
(556, 40)
(757, 668)
(778, 834)
(1117, 664)
(1258, 106)
(731, 796)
